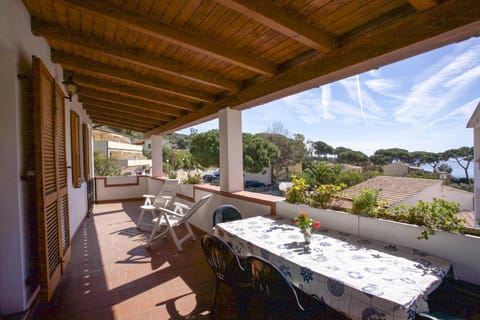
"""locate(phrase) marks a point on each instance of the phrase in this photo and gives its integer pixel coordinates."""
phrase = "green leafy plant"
(297, 193)
(172, 174)
(436, 215)
(367, 202)
(192, 179)
(325, 195)
(303, 221)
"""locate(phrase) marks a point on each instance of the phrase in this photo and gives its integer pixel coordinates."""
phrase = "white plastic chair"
(164, 199)
(168, 220)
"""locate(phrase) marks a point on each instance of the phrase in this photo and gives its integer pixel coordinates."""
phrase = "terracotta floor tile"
(112, 275)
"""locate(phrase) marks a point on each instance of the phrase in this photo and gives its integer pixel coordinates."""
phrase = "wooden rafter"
(118, 124)
(120, 115)
(130, 101)
(421, 5)
(154, 29)
(132, 56)
(117, 107)
(140, 93)
(278, 19)
(86, 66)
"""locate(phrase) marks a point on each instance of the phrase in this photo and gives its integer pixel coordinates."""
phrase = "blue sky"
(421, 103)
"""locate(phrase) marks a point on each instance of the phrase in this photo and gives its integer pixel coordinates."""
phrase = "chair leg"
(214, 303)
(140, 218)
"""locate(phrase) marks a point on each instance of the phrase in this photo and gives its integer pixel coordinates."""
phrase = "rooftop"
(393, 189)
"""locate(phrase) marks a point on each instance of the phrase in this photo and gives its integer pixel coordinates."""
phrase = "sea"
(457, 171)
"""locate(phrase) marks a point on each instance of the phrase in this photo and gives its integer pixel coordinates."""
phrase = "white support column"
(157, 156)
(476, 173)
(231, 150)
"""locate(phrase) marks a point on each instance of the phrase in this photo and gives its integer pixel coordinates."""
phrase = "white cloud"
(434, 94)
(382, 86)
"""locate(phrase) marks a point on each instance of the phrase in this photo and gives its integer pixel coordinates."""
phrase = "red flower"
(316, 225)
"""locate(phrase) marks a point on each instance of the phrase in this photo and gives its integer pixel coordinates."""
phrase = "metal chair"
(224, 213)
(437, 316)
(169, 220)
(273, 290)
(227, 268)
(165, 198)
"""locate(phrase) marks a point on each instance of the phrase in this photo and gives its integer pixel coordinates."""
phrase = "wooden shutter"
(75, 140)
(53, 236)
(86, 152)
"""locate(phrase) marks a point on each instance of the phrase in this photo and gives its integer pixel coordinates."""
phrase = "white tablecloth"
(362, 278)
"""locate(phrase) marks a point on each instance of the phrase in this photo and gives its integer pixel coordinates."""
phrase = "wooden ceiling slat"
(78, 63)
(143, 94)
(283, 22)
(125, 109)
(107, 114)
(119, 113)
(174, 35)
(163, 65)
(186, 13)
(135, 103)
(365, 14)
(60, 13)
(101, 119)
(172, 11)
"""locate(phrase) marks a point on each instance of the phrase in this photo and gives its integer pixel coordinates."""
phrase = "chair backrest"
(166, 197)
(225, 213)
(272, 286)
(194, 209)
(223, 261)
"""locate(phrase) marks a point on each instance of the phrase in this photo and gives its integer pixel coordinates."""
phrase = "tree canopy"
(387, 156)
(463, 156)
(292, 151)
(322, 148)
(258, 152)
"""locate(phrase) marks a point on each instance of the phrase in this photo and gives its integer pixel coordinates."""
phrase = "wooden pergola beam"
(132, 56)
(121, 116)
(99, 119)
(83, 65)
(144, 94)
(129, 101)
(124, 109)
(191, 41)
(422, 5)
(281, 21)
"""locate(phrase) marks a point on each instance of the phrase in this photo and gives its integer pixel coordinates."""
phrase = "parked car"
(210, 177)
(254, 184)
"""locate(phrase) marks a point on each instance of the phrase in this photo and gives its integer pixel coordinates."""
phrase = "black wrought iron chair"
(227, 269)
(437, 316)
(224, 213)
(273, 291)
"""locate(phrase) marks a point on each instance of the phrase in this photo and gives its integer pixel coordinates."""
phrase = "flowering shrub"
(326, 196)
(303, 221)
(298, 191)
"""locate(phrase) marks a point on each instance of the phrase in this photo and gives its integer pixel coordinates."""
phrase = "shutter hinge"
(28, 175)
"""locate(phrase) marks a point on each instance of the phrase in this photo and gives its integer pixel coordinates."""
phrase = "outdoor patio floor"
(112, 275)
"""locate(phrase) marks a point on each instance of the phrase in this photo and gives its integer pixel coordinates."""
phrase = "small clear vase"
(307, 235)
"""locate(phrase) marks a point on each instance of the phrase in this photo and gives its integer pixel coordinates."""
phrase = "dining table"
(362, 278)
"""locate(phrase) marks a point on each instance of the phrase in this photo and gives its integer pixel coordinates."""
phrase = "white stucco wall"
(17, 45)
(121, 188)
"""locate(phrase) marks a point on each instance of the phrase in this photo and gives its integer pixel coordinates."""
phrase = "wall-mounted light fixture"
(70, 86)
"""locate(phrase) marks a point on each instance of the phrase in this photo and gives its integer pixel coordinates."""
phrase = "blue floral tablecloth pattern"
(365, 279)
